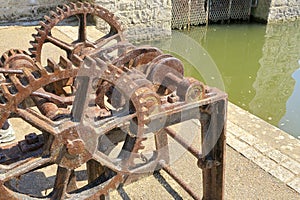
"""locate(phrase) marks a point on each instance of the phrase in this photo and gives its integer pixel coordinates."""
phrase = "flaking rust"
(97, 106)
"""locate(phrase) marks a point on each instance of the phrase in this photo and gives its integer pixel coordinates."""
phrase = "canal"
(257, 65)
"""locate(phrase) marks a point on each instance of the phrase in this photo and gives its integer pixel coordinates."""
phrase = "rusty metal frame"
(152, 84)
(211, 158)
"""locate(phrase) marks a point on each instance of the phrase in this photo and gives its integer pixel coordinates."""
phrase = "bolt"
(31, 138)
(75, 147)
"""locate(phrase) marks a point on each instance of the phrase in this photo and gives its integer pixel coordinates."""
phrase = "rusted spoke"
(59, 43)
(25, 167)
(38, 120)
(82, 28)
(105, 39)
(53, 97)
(63, 176)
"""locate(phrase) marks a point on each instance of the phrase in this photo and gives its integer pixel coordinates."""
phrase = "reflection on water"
(274, 83)
(290, 121)
(255, 63)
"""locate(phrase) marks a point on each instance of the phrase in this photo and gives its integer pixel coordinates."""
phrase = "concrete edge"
(265, 154)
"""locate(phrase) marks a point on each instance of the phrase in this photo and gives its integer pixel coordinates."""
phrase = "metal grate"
(180, 13)
(229, 9)
(194, 12)
(218, 10)
(197, 12)
(186, 12)
(240, 9)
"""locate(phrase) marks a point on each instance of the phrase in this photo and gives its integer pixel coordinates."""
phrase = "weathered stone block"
(16, 10)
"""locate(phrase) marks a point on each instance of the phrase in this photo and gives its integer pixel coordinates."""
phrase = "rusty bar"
(11, 71)
(184, 144)
(185, 186)
(161, 143)
(213, 137)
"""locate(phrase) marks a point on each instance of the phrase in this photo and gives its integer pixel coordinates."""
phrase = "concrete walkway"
(262, 162)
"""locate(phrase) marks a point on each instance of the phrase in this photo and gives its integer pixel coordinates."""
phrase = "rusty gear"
(98, 106)
(16, 59)
(67, 150)
(81, 46)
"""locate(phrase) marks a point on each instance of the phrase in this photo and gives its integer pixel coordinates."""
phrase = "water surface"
(257, 65)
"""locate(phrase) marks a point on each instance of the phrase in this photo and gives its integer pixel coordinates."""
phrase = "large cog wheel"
(61, 143)
(81, 46)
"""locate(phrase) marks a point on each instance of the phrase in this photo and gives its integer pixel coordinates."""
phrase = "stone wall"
(26, 10)
(284, 10)
(276, 10)
(261, 11)
(141, 19)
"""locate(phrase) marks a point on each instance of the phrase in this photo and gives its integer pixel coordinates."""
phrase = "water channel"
(257, 65)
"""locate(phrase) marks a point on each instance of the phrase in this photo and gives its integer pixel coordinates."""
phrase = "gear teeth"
(11, 52)
(65, 63)
(39, 66)
(33, 52)
(3, 99)
(17, 85)
(60, 11)
(19, 51)
(77, 61)
(74, 6)
(126, 69)
(87, 5)
(41, 70)
(34, 35)
(67, 8)
(40, 32)
(89, 63)
(43, 25)
(52, 65)
(117, 76)
(110, 67)
(38, 38)
(65, 11)
(5, 91)
(80, 4)
(5, 56)
(53, 15)
(28, 75)
(33, 44)
(100, 63)
(47, 18)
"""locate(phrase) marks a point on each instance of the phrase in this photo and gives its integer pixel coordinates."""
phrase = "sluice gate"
(195, 12)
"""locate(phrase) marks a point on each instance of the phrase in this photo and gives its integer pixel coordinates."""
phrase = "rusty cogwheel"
(90, 114)
(81, 46)
(77, 137)
(16, 58)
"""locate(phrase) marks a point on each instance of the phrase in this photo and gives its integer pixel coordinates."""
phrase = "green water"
(256, 64)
